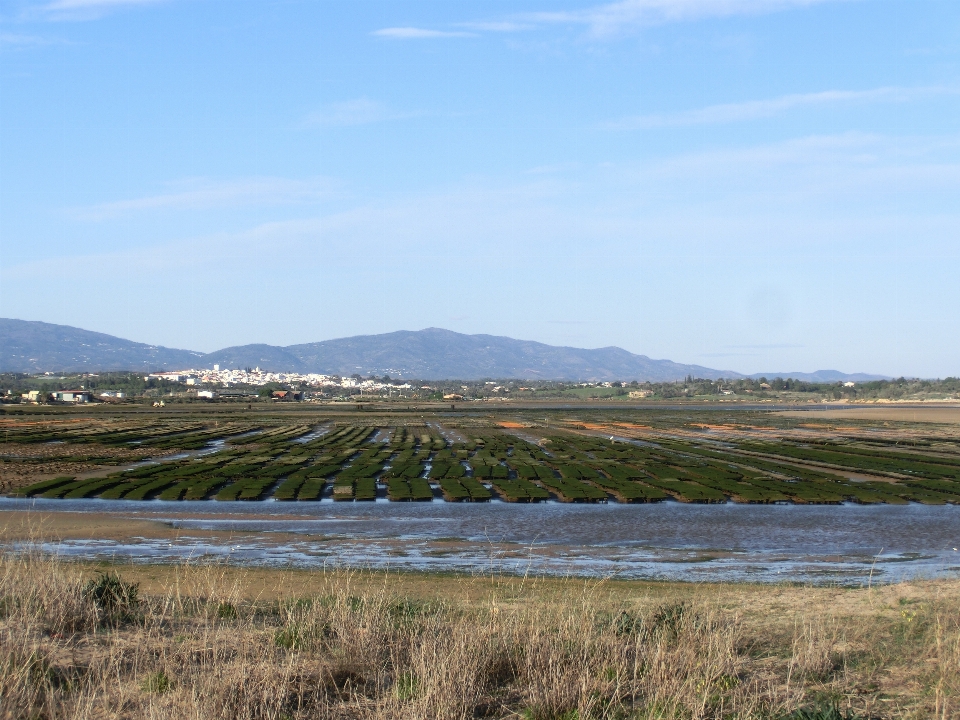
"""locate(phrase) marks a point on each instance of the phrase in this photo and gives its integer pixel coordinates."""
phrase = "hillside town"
(255, 384)
(257, 378)
(244, 384)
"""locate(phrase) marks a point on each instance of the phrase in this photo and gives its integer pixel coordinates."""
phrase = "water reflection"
(850, 544)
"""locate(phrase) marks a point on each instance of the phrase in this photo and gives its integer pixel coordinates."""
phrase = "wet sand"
(271, 583)
(53, 527)
(666, 541)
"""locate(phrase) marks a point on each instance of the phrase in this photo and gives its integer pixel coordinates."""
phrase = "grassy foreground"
(220, 642)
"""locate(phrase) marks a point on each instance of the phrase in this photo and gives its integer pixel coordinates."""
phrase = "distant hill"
(437, 354)
(820, 376)
(442, 354)
(268, 357)
(431, 354)
(27, 346)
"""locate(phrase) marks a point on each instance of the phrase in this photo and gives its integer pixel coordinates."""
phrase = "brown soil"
(23, 464)
(948, 415)
(51, 527)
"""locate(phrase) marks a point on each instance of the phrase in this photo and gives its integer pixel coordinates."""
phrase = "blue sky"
(752, 185)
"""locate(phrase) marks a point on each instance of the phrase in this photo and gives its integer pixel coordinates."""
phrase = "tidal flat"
(673, 492)
(535, 562)
(851, 544)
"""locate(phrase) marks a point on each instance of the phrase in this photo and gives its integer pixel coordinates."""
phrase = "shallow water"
(848, 544)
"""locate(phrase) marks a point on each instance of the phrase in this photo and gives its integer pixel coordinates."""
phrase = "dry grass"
(209, 642)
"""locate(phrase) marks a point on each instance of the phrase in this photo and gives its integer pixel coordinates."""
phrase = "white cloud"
(611, 19)
(551, 169)
(496, 26)
(87, 4)
(626, 15)
(803, 193)
(360, 111)
(13, 40)
(470, 223)
(669, 253)
(758, 109)
(198, 194)
(413, 33)
(89, 9)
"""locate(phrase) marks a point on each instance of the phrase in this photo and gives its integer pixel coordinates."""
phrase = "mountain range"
(431, 354)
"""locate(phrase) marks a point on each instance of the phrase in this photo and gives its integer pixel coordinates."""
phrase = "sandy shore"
(47, 526)
(264, 583)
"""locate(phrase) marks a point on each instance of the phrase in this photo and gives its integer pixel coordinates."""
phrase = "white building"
(169, 376)
(75, 396)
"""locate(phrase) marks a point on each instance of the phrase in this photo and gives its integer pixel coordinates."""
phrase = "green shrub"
(669, 619)
(226, 611)
(407, 687)
(116, 601)
(157, 683)
(821, 712)
(289, 638)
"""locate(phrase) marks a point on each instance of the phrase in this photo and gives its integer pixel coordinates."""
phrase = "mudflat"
(17, 525)
(943, 414)
(51, 527)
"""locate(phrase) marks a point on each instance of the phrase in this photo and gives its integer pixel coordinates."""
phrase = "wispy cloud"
(626, 15)
(759, 109)
(414, 33)
(200, 194)
(12, 40)
(766, 346)
(853, 164)
(608, 20)
(551, 169)
(674, 229)
(727, 354)
(496, 26)
(360, 111)
(89, 9)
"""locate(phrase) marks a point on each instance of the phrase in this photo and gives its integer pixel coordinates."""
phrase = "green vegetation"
(779, 389)
(44, 486)
(599, 456)
(362, 644)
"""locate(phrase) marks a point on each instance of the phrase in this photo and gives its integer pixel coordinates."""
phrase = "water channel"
(848, 544)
